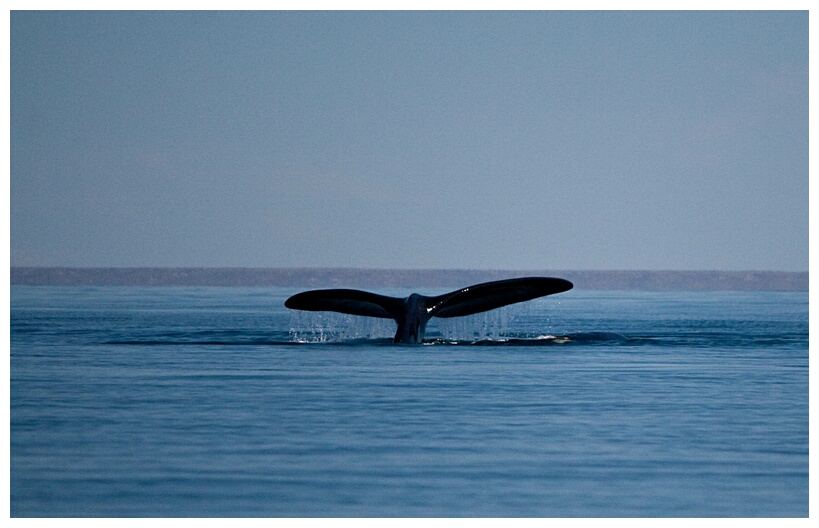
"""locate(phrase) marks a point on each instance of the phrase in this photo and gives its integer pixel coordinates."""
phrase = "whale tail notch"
(413, 313)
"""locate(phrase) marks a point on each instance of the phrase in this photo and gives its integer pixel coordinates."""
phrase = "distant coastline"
(406, 278)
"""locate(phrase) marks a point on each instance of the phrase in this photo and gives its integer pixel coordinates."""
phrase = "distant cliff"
(362, 278)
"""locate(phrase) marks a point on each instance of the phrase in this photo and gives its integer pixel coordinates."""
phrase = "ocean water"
(141, 401)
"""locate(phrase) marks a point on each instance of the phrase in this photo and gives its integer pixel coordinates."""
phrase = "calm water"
(219, 402)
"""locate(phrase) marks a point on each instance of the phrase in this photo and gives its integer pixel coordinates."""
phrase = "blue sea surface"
(189, 401)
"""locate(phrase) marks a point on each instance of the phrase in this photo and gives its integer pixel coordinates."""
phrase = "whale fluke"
(353, 302)
(413, 312)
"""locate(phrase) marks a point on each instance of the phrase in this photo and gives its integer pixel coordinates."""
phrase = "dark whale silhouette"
(413, 312)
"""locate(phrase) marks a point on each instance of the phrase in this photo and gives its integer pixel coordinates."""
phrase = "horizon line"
(405, 278)
(381, 268)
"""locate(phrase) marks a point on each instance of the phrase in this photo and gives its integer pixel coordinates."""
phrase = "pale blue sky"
(546, 140)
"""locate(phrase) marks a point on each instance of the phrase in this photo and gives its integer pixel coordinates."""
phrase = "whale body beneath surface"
(412, 313)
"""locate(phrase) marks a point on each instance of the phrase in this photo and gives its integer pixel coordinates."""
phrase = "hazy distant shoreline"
(405, 278)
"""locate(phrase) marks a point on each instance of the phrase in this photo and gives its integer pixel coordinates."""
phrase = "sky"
(469, 140)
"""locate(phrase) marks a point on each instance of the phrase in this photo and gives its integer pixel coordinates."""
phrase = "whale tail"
(413, 313)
